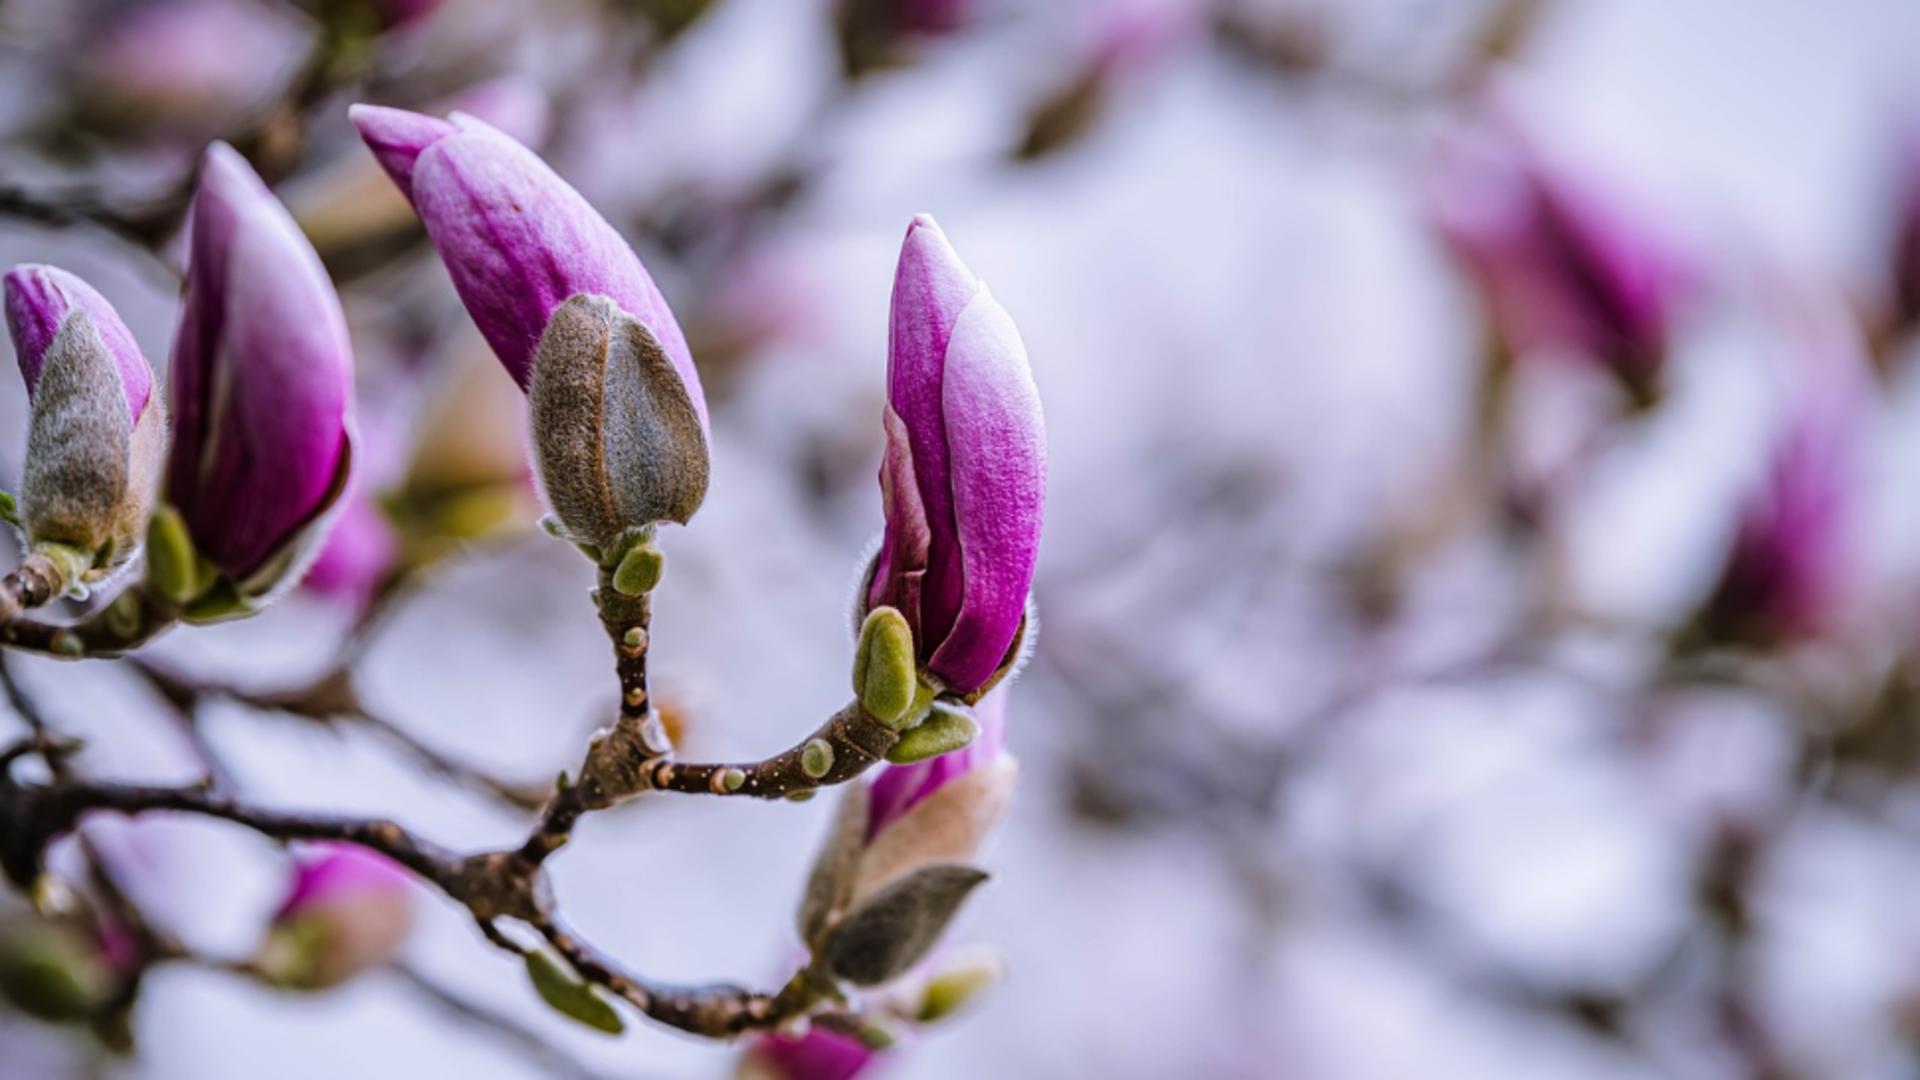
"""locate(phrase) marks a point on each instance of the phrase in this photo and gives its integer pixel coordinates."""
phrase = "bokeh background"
(1482, 563)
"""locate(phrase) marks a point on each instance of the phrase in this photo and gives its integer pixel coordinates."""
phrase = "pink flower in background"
(1906, 252)
(1785, 575)
(1560, 264)
(347, 910)
(819, 1054)
(360, 550)
(186, 67)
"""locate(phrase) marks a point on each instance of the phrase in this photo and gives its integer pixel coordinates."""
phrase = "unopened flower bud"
(1560, 265)
(347, 910)
(818, 1054)
(964, 476)
(619, 422)
(262, 391)
(185, 68)
(53, 970)
(939, 810)
(360, 552)
(96, 432)
(1785, 576)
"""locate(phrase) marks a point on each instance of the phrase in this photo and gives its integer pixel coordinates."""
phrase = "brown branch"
(491, 885)
(530, 1044)
(333, 700)
(845, 746)
(135, 617)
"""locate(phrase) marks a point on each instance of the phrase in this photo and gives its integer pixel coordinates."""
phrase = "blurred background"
(1481, 589)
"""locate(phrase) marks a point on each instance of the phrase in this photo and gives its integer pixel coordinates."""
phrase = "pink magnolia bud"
(261, 384)
(1784, 578)
(347, 910)
(819, 1054)
(1559, 265)
(186, 67)
(351, 201)
(1906, 254)
(940, 810)
(359, 553)
(394, 13)
(964, 477)
(900, 788)
(96, 431)
(619, 420)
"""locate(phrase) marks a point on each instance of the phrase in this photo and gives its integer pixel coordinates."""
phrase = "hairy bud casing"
(96, 432)
(618, 443)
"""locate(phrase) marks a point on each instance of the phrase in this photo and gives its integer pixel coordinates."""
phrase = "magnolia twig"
(333, 699)
(491, 885)
(550, 1059)
(135, 617)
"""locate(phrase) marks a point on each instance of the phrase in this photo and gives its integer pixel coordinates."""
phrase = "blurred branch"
(491, 885)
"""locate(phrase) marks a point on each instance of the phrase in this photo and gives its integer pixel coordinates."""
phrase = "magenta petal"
(38, 301)
(996, 439)
(519, 241)
(339, 872)
(262, 374)
(397, 138)
(361, 547)
(901, 564)
(820, 1054)
(930, 289)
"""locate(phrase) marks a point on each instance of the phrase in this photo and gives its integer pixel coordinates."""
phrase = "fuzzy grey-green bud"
(617, 438)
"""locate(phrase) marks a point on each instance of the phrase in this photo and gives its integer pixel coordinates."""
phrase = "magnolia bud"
(262, 392)
(54, 971)
(938, 810)
(1785, 577)
(360, 552)
(964, 477)
(818, 1054)
(619, 421)
(1560, 264)
(96, 433)
(617, 440)
(188, 68)
(347, 910)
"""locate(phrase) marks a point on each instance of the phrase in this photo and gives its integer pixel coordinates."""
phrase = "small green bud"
(803, 795)
(68, 644)
(634, 638)
(639, 570)
(947, 728)
(571, 997)
(170, 557)
(123, 615)
(733, 779)
(884, 675)
(957, 985)
(10, 509)
(816, 758)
